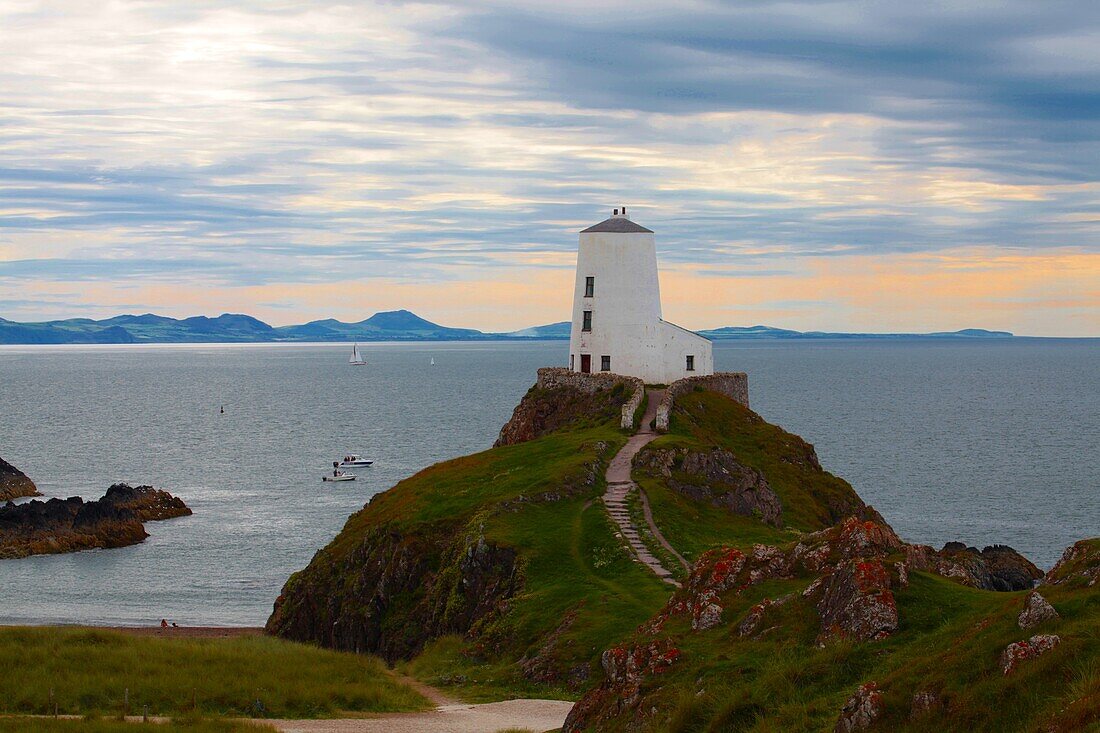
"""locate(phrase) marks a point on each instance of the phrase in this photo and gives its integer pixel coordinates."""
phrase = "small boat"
(338, 476)
(433, 362)
(356, 358)
(352, 460)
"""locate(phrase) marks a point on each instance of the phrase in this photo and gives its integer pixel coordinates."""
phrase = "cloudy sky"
(876, 166)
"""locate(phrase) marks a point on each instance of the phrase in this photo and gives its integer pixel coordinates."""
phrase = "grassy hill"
(90, 671)
(499, 574)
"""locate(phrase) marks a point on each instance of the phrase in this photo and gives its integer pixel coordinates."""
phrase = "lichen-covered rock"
(625, 670)
(1080, 564)
(717, 478)
(857, 603)
(1036, 611)
(14, 483)
(861, 710)
(1021, 651)
(997, 567)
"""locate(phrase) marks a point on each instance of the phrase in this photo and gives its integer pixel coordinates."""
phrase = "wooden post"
(145, 714)
(125, 701)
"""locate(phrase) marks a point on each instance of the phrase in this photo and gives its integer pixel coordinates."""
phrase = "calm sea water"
(979, 442)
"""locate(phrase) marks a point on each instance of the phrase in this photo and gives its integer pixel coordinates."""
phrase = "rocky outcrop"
(70, 525)
(394, 592)
(857, 603)
(14, 483)
(717, 478)
(861, 711)
(1079, 565)
(1021, 651)
(563, 398)
(997, 567)
(147, 504)
(1036, 611)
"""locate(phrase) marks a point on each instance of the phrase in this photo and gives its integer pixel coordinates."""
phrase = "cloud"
(255, 145)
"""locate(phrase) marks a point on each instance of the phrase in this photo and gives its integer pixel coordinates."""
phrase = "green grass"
(90, 671)
(185, 725)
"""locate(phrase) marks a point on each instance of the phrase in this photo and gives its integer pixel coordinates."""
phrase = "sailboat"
(356, 358)
(433, 361)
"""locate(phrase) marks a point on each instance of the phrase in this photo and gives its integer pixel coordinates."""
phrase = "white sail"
(355, 358)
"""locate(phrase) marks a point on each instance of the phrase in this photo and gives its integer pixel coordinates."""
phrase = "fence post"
(145, 714)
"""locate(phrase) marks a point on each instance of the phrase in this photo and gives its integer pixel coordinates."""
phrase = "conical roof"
(617, 224)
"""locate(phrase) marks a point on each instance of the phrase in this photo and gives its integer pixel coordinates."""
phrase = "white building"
(617, 324)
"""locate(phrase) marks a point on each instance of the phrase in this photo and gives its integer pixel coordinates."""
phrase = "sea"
(984, 442)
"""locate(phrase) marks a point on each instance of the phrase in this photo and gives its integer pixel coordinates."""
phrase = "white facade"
(623, 332)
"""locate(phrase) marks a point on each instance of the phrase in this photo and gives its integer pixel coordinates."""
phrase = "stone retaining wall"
(734, 385)
(552, 377)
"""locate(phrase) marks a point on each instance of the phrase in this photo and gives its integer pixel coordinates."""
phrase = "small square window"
(605, 363)
(691, 363)
(586, 325)
(589, 286)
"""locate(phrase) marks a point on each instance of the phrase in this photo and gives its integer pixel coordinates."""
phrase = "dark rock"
(718, 478)
(70, 525)
(997, 567)
(147, 504)
(14, 483)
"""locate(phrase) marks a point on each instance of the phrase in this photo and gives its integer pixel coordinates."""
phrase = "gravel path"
(619, 484)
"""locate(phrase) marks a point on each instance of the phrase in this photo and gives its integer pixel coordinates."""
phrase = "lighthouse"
(617, 325)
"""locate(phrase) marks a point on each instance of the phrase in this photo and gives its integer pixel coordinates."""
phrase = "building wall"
(626, 312)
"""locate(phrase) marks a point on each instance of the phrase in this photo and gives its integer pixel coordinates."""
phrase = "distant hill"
(768, 332)
(399, 325)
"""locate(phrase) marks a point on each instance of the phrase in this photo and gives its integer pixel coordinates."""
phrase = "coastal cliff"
(501, 574)
(14, 483)
(70, 525)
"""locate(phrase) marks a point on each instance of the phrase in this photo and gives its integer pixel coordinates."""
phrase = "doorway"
(586, 363)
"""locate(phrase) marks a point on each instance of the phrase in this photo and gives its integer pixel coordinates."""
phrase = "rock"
(70, 525)
(147, 504)
(1023, 650)
(861, 711)
(717, 478)
(560, 399)
(1080, 564)
(14, 483)
(1036, 611)
(925, 703)
(626, 668)
(857, 603)
(997, 567)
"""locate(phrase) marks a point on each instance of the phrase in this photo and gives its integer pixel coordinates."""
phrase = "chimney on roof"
(619, 213)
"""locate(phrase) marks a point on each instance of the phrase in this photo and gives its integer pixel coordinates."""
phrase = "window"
(572, 361)
(605, 363)
(691, 363)
(589, 286)
(587, 324)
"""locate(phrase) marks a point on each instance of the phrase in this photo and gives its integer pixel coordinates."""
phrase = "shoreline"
(178, 632)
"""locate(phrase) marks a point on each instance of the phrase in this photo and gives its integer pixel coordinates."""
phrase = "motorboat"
(352, 460)
(338, 476)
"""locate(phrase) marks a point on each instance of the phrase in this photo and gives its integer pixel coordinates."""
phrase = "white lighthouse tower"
(617, 324)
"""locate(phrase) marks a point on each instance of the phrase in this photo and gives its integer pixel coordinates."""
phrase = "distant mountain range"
(400, 325)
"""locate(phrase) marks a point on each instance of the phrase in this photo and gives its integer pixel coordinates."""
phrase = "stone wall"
(553, 377)
(734, 385)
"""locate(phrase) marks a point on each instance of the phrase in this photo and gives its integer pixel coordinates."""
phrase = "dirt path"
(533, 715)
(619, 484)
